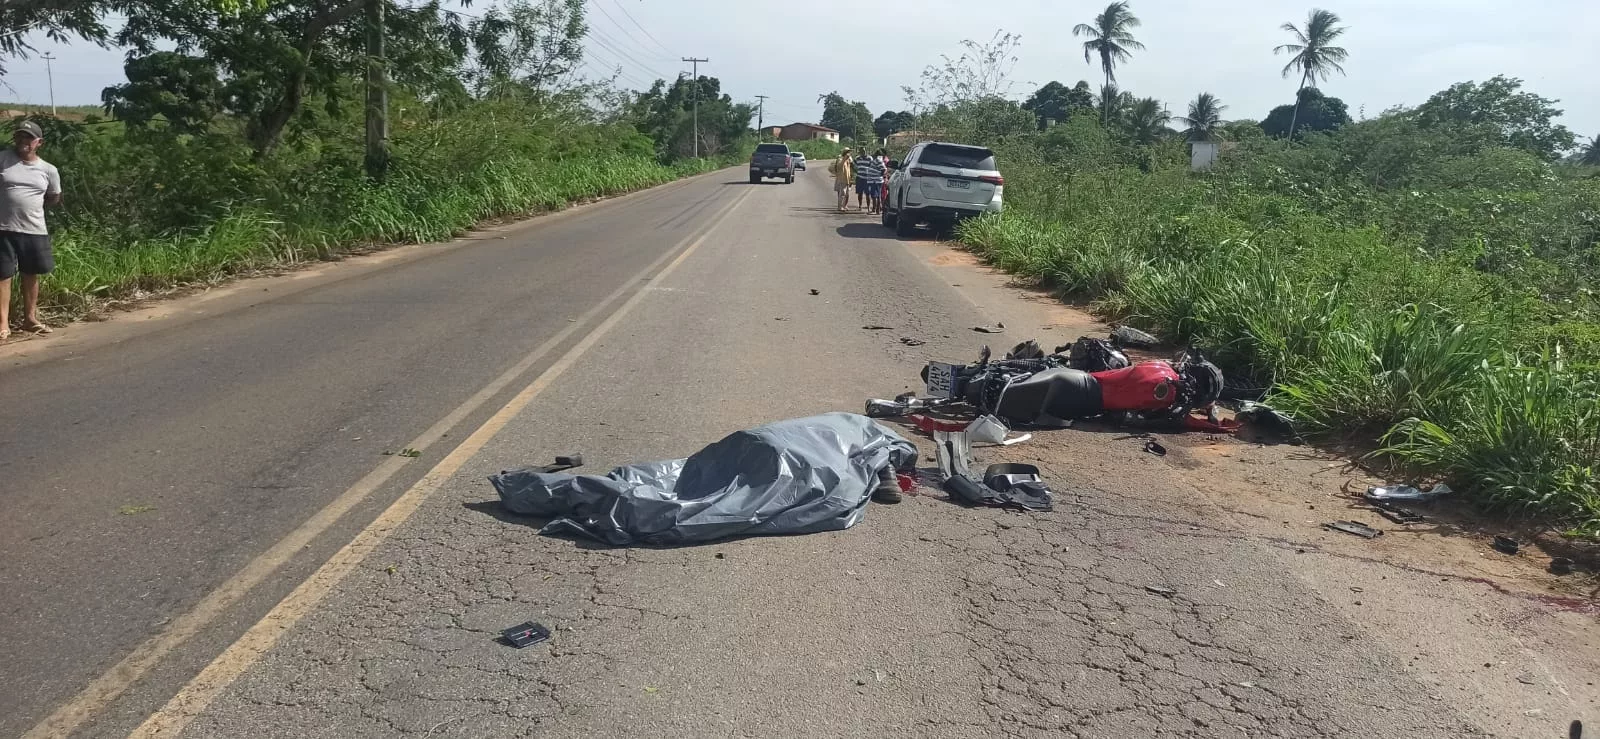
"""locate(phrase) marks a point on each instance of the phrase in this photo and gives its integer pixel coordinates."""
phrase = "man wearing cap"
(27, 185)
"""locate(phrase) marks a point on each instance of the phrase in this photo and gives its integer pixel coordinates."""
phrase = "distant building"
(772, 132)
(1202, 154)
(807, 132)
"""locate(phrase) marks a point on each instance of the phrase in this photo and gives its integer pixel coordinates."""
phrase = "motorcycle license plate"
(942, 379)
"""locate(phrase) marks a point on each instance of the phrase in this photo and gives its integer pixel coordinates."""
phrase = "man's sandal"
(37, 328)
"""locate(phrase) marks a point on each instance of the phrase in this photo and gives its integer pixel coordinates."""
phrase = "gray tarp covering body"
(791, 477)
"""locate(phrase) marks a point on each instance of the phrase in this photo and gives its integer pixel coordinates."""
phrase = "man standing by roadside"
(843, 177)
(27, 185)
(869, 181)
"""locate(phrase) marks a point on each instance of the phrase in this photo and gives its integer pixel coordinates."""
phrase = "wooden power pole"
(696, 63)
(377, 93)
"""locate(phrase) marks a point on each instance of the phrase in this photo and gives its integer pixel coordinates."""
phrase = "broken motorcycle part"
(1407, 492)
(1398, 515)
(1130, 336)
(1154, 447)
(1354, 527)
(1506, 545)
(1161, 591)
(525, 635)
(998, 328)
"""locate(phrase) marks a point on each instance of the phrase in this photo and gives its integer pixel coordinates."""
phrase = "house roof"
(812, 126)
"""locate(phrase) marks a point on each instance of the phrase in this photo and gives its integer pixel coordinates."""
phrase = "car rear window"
(772, 149)
(965, 157)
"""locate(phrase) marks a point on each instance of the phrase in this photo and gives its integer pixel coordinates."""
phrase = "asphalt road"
(144, 475)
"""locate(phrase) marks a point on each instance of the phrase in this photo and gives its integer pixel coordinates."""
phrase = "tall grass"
(1405, 317)
(206, 211)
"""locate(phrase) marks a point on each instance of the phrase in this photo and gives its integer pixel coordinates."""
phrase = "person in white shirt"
(27, 185)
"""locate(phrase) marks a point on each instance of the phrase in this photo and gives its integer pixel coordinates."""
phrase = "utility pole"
(377, 93)
(50, 74)
(761, 113)
(696, 63)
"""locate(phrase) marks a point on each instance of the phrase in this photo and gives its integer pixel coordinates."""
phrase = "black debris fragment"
(1354, 527)
(998, 328)
(908, 341)
(1161, 591)
(1506, 544)
(525, 635)
(1560, 566)
(1154, 447)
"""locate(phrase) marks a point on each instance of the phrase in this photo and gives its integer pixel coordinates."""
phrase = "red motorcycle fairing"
(1147, 386)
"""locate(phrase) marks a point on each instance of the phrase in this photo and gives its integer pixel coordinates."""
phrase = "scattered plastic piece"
(876, 327)
(1154, 447)
(1130, 336)
(990, 430)
(908, 341)
(1398, 515)
(998, 328)
(815, 291)
(1506, 545)
(1407, 492)
(525, 635)
(1354, 527)
(1163, 592)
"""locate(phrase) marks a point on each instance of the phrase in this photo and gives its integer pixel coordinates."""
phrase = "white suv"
(939, 184)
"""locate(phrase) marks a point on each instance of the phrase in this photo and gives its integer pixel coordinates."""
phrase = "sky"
(1401, 51)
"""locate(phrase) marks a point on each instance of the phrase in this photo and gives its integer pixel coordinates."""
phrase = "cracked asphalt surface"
(1135, 609)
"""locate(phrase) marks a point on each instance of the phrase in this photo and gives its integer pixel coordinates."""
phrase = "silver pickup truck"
(771, 160)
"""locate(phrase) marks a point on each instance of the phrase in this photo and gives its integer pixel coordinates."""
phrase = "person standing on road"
(883, 192)
(869, 181)
(843, 176)
(27, 185)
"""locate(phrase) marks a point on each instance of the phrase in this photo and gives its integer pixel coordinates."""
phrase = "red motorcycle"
(1050, 390)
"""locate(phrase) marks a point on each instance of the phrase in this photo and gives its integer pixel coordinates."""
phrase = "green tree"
(1523, 120)
(1147, 121)
(1110, 38)
(1591, 153)
(1240, 130)
(893, 122)
(1311, 111)
(273, 58)
(1205, 117)
(182, 90)
(665, 114)
(528, 46)
(1315, 56)
(851, 119)
(1113, 104)
(1057, 102)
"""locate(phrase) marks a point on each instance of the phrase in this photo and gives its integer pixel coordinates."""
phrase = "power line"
(613, 47)
(635, 22)
(624, 30)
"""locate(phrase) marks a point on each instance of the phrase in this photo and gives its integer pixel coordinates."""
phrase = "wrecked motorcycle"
(1026, 388)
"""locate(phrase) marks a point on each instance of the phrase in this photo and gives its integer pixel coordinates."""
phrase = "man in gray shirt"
(27, 185)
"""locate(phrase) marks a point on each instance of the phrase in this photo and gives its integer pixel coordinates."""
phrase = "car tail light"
(924, 172)
(993, 179)
(788, 161)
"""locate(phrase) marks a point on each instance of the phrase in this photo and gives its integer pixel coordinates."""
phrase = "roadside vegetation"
(1423, 280)
(211, 160)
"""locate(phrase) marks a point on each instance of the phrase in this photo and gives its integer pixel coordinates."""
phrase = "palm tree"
(1113, 103)
(1205, 117)
(1147, 120)
(1111, 37)
(1315, 56)
(1591, 153)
